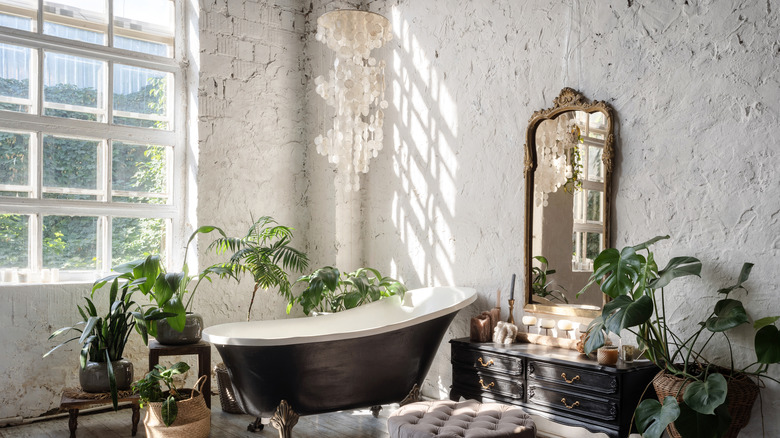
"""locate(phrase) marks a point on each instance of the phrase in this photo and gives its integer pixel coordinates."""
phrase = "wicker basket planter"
(227, 397)
(742, 393)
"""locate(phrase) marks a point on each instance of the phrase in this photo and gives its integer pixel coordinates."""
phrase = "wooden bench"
(74, 404)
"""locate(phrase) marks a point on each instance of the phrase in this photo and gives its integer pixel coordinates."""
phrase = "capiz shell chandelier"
(355, 88)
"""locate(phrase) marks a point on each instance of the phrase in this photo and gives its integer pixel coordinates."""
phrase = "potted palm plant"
(697, 398)
(331, 291)
(103, 339)
(168, 317)
(265, 254)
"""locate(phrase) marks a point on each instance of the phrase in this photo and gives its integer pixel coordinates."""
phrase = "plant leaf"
(621, 271)
(175, 306)
(763, 322)
(624, 312)
(645, 245)
(652, 417)
(743, 277)
(595, 338)
(169, 410)
(705, 396)
(692, 424)
(677, 267)
(352, 300)
(767, 343)
(728, 314)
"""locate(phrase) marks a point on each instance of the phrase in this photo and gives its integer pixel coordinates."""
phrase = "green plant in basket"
(331, 291)
(150, 391)
(699, 406)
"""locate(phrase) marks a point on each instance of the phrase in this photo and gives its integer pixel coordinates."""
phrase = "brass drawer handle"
(570, 381)
(489, 362)
(481, 382)
(573, 405)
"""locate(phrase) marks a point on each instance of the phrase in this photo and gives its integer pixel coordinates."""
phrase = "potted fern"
(697, 398)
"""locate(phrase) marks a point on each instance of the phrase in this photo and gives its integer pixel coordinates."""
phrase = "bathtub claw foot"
(413, 397)
(255, 426)
(284, 419)
(375, 411)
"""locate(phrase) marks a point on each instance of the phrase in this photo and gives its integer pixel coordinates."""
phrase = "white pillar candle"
(547, 323)
(565, 325)
(529, 320)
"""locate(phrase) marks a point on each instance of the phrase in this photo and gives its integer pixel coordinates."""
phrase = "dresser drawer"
(576, 378)
(483, 360)
(481, 382)
(573, 403)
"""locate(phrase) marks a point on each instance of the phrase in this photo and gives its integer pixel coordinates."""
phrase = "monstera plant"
(697, 398)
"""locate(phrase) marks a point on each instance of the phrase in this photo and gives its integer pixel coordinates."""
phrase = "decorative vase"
(94, 376)
(193, 328)
(742, 393)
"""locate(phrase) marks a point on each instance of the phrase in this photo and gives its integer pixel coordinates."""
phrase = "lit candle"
(547, 323)
(565, 325)
(529, 320)
(512, 288)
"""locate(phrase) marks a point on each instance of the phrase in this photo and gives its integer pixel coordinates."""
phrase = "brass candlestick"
(511, 318)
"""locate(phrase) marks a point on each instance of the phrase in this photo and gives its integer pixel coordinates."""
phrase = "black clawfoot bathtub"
(367, 356)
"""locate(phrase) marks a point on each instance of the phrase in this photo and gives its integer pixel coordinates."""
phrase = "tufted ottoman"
(466, 419)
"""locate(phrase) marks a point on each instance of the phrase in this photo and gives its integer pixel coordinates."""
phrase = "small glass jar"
(627, 353)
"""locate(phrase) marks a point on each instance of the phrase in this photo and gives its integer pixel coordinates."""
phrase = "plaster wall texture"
(696, 97)
(252, 123)
(695, 89)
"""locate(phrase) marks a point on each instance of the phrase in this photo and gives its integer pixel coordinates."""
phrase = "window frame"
(38, 125)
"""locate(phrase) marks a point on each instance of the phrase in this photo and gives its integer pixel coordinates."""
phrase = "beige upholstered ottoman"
(466, 419)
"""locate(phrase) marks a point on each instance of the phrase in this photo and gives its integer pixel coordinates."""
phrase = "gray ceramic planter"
(94, 376)
(193, 327)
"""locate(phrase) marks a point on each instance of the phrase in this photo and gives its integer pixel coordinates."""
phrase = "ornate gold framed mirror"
(569, 153)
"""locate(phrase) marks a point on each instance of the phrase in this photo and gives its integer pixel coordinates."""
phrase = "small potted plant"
(697, 398)
(331, 291)
(265, 254)
(175, 411)
(168, 317)
(103, 339)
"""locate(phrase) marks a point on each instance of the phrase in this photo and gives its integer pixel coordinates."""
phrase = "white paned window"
(91, 135)
(588, 230)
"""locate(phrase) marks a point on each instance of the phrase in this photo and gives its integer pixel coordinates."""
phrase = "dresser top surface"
(557, 355)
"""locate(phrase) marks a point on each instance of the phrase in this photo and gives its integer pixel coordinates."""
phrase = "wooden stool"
(74, 404)
(202, 349)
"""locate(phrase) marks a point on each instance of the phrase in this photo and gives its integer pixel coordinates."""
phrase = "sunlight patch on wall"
(424, 129)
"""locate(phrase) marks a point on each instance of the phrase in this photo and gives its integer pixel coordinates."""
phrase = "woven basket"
(227, 397)
(192, 421)
(742, 393)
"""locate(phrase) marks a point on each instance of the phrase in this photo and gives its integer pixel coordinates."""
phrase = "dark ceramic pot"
(193, 328)
(94, 376)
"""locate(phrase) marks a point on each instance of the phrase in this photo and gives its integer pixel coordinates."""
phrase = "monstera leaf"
(652, 417)
(677, 267)
(617, 272)
(705, 396)
(692, 424)
(767, 344)
(728, 314)
(624, 312)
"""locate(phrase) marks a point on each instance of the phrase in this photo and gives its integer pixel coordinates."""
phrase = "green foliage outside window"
(71, 242)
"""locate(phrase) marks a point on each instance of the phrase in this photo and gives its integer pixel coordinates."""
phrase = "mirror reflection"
(568, 204)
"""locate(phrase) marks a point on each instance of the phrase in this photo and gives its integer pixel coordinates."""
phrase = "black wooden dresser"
(554, 383)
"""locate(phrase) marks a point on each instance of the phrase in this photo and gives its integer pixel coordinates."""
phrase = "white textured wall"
(695, 89)
(697, 100)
